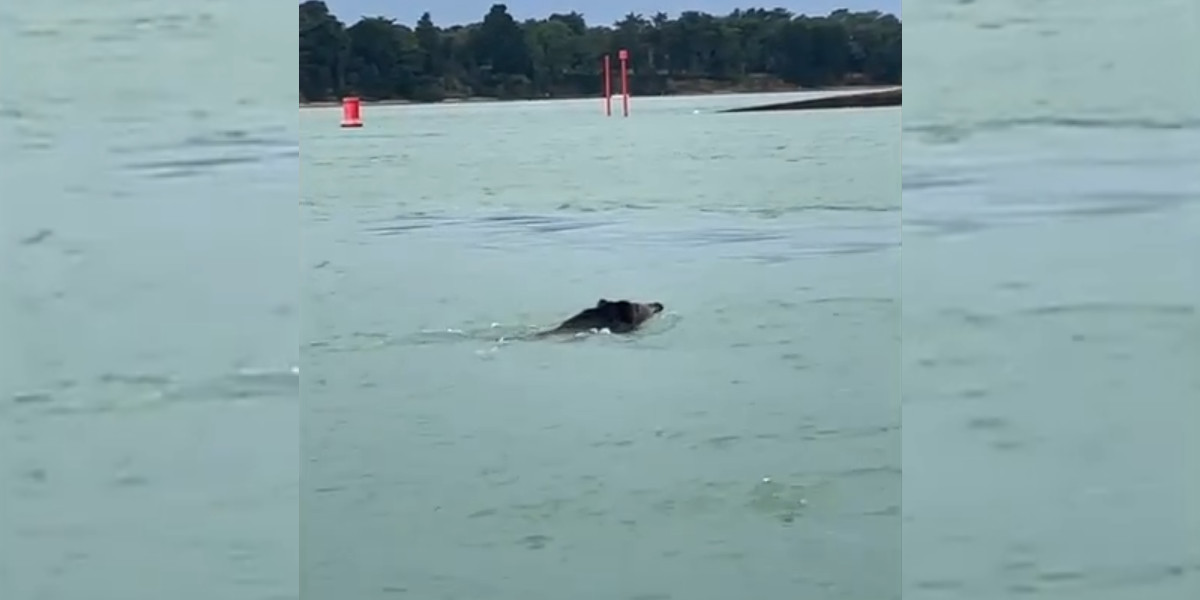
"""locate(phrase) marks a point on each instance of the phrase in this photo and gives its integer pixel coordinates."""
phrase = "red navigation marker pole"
(607, 86)
(623, 56)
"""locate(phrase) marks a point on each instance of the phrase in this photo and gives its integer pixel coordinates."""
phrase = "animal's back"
(621, 316)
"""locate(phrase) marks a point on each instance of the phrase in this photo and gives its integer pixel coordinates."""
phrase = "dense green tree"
(560, 56)
(323, 44)
(384, 59)
(429, 41)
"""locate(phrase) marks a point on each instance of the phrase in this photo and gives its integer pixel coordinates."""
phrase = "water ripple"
(117, 392)
(779, 243)
(949, 133)
(204, 153)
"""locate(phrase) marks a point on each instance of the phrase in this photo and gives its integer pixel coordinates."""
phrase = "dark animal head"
(620, 316)
(626, 315)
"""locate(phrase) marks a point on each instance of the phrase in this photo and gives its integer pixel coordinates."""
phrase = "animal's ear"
(602, 303)
(625, 311)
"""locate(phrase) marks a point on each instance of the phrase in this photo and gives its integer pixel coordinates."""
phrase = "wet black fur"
(621, 316)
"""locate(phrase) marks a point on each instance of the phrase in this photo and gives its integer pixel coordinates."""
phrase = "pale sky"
(452, 12)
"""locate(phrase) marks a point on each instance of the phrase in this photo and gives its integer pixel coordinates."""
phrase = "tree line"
(560, 56)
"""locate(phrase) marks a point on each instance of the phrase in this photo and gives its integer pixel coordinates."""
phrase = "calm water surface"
(148, 415)
(1052, 301)
(745, 444)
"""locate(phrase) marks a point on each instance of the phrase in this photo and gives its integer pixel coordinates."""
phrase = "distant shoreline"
(858, 99)
(689, 94)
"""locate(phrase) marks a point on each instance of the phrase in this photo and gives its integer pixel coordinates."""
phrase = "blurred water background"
(148, 301)
(1052, 300)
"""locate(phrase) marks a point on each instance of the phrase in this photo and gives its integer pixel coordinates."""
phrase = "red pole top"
(623, 54)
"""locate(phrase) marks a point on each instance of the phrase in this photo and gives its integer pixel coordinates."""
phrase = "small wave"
(1136, 123)
(400, 229)
(537, 223)
(916, 181)
(727, 235)
(190, 166)
(949, 133)
(869, 300)
(495, 333)
(36, 238)
(232, 147)
(1000, 211)
(758, 240)
(117, 392)
(235, 138)
(1111, 308)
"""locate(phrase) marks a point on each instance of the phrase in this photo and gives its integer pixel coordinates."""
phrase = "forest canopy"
(560, 56)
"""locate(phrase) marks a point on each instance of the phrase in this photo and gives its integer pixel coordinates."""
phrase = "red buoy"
(351, 112)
